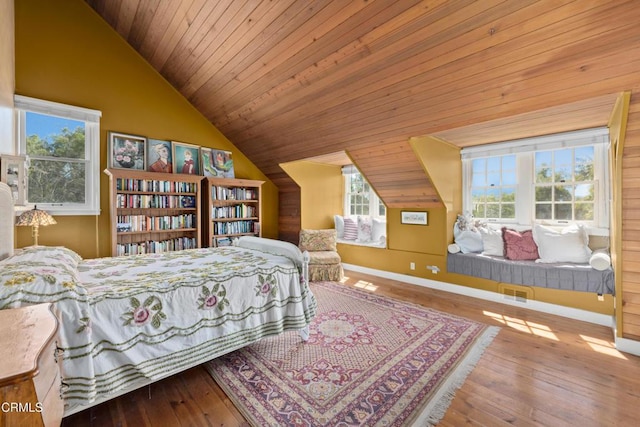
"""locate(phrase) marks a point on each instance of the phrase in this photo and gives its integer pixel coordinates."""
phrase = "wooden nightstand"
(29, 371)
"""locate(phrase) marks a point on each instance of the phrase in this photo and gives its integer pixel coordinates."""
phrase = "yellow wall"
(66, 53)
(441, 162)
(323, 192)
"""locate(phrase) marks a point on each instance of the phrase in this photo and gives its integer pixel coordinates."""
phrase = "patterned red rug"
(369, 360)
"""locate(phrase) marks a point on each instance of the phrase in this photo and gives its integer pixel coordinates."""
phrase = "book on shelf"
(234, 227)
(154, 223)
(154, 201)
(233, 193)
(155, 186)
(223, 241)
(176, 244)
(237, 211)
(123, 227)
(188, 202)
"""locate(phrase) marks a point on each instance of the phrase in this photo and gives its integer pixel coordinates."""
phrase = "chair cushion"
(318, 240)
(324, 258)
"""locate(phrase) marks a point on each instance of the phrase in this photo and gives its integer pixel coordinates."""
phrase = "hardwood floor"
(540, 370)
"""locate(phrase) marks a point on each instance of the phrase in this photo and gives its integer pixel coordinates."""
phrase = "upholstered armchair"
(324, 263)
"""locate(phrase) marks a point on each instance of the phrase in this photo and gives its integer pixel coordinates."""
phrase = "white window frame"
(499, 186)
(91, 118)
(525, 150)
(374, 200)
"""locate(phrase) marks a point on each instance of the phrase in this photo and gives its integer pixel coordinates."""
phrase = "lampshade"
(35, 218)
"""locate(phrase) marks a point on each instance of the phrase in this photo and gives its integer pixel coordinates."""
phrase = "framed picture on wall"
(417, 218)
(185, 158)
(13, 173)
(217, 163)
(159, 156)
(127, 151)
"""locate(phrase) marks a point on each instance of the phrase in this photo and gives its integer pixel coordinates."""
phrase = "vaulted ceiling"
(292, 79)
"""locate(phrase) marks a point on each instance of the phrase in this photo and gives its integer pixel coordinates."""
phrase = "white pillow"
(453, 248)
(469, 241)
(600, 260)
(271, 246)
(378, 230)
(364, 229)
(492, 242)
(339, 225)
(568, 245)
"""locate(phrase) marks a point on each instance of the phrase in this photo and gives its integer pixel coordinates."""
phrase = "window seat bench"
(565, 276)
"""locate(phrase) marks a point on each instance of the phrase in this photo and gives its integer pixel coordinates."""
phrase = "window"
(493, 188)
(360, 199)
(556, 179)
(565, 184)
(62, 145)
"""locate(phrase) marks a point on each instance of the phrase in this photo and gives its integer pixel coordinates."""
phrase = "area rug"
(369, 360)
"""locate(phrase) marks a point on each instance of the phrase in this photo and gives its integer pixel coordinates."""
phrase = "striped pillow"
(350, 229)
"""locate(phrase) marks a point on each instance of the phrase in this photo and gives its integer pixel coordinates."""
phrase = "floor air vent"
(519, 294)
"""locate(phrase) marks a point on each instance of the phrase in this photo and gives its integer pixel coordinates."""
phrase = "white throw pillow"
(378, 230)
(338, 222)
(364, 229)
(492, 242)
(568, 245)
(469, 241)
(600, 260)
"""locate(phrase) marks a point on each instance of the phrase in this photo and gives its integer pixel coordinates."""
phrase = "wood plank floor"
(540, 370)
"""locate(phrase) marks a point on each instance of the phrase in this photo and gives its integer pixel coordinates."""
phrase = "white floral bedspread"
(126, 320)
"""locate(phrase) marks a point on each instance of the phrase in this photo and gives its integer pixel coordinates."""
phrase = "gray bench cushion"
(566, 276)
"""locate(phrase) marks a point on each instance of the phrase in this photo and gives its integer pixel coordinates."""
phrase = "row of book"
(235, 211)
(154, 201)
(129, 223)
(235, 227)
(130, 184)
(154, 247)
(233, 193)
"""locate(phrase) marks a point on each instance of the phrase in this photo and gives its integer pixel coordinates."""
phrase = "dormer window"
(555, 179)
(359, 197)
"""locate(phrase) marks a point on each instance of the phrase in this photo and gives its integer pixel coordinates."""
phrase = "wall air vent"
(516, 293)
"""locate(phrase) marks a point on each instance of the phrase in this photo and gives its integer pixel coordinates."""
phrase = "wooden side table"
(29, 370)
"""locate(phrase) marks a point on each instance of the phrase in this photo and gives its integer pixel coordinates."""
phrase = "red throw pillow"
(519, 245)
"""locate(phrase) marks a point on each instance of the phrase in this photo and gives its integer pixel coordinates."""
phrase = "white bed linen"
(128, 320)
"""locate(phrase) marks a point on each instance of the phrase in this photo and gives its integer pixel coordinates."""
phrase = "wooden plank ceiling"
(291, 79)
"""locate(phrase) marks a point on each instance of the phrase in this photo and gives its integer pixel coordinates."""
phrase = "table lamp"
(35, 218)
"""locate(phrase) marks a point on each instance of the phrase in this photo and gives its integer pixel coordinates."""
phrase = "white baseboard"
(544, 307)
(628, 346)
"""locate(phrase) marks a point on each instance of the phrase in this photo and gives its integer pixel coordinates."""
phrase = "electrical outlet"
(412, 265)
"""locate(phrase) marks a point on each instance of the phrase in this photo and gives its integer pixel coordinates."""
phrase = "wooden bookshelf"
(231, 208)
(153, 212)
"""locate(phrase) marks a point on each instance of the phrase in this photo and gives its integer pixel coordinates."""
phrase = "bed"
(128, 321)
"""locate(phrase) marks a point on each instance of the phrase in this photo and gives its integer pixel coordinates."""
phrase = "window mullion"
(525, 188)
